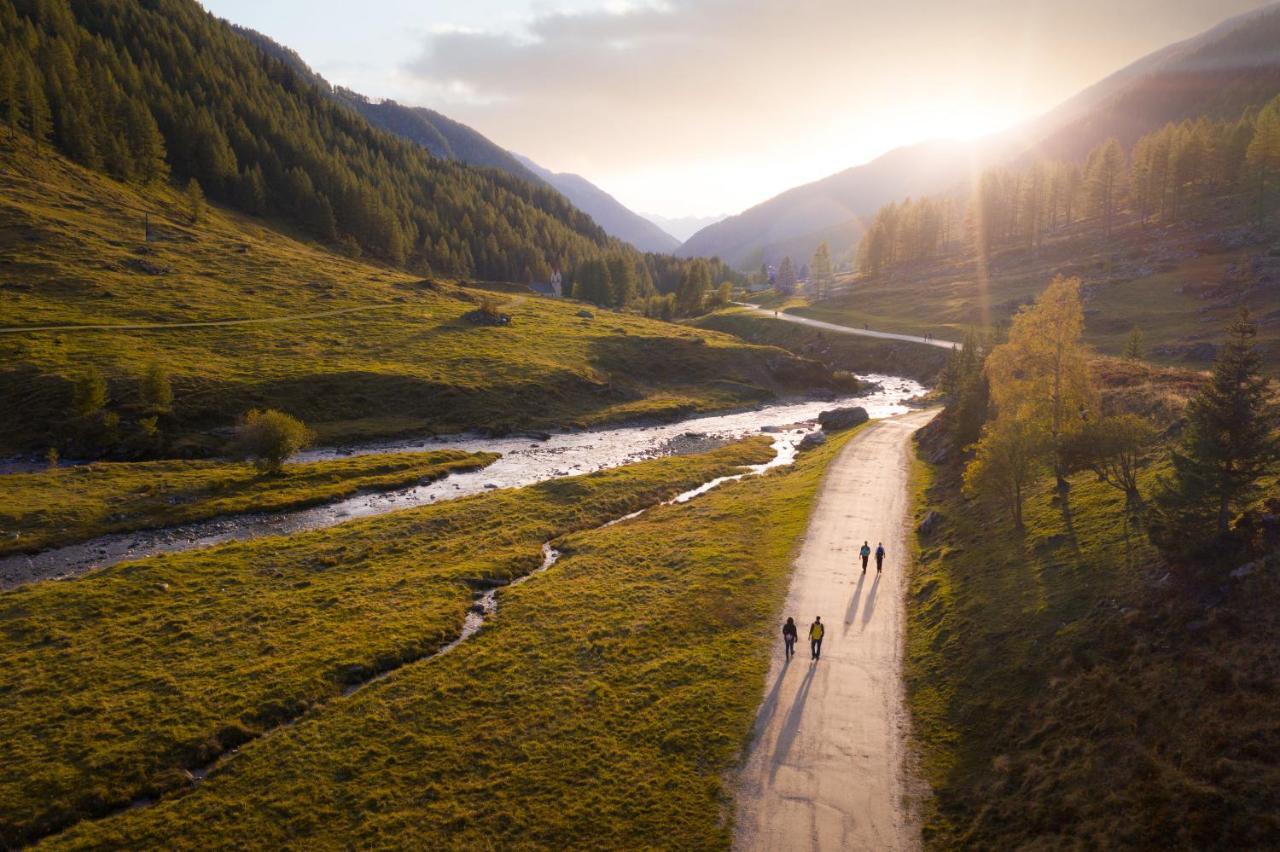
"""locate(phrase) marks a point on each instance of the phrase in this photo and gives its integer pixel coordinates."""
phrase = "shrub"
(157, 391)
(268, 438)
(89, 393)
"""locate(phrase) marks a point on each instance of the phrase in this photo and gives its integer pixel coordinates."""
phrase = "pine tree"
(691, 295)
(1133, 346)
(785, 282)
(195, 201)
(9, 94)
(146, 144)
(593, 283)
(1228, 445)
(39, 120)
(820, 271)
(622, 280)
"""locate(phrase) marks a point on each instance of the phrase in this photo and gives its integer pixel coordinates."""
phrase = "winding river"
(524, 461)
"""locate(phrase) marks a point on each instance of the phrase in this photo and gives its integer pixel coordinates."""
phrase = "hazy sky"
(703, 106)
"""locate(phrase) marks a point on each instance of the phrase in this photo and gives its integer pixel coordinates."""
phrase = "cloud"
(795, 88)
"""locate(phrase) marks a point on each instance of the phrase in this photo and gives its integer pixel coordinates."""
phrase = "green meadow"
(601, 707)
(116, 685)
(70, 504)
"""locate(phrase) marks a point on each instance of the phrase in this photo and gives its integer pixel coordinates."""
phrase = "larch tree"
(1041, 374)
(1007, 460)
(1104, 173)
(1113, 448)
(820, 271)
(1264, 151)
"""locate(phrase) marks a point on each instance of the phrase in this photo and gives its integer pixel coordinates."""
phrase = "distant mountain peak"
(607, 211)
(1217, 73)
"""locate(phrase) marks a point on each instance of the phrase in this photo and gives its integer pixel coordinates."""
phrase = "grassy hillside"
(356, 350)
(120, 682)
(70, 504)
(1066, 692)
(599, 709)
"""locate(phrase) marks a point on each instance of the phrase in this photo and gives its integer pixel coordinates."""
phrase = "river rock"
(838, 419)
(813, 439)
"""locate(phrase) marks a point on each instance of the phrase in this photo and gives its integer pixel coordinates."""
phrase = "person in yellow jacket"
(816, 632)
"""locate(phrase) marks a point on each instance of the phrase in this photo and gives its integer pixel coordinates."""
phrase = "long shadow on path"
(791, 725)
(870, 608)
(852, 612)
(770, 703)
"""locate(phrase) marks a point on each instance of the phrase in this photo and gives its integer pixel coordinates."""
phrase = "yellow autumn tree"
(1041, 375)
(1007, 460)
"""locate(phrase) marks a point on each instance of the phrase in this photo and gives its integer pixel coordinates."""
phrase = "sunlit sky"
(684, 107)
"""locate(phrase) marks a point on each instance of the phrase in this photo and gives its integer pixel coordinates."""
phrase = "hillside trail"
(848, 329)
(826, 768)
(163, 326)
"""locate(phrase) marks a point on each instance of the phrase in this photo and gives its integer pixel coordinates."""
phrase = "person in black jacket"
(789, 637)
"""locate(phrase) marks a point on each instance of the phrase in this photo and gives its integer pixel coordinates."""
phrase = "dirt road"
(848, 329)
(826, 765)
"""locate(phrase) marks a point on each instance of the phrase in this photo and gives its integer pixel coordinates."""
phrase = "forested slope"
(144, 90)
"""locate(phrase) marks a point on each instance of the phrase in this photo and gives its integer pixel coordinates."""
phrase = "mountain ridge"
(609, 213)
(1169, 84)
(449, 139)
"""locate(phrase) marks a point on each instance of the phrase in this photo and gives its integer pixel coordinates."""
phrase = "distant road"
(160, 326)
(848, 329)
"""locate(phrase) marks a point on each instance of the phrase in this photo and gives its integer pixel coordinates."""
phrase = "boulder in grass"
(930, 524)
(813, 439)
(838, 419)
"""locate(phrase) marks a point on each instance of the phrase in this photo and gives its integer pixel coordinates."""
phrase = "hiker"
(789, 637)
(865, 553)
(879, 556)
(816, 632)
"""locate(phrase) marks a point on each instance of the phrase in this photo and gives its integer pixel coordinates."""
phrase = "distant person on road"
(879, 556)
(816, 632)
(789, 637)
(865, 553)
